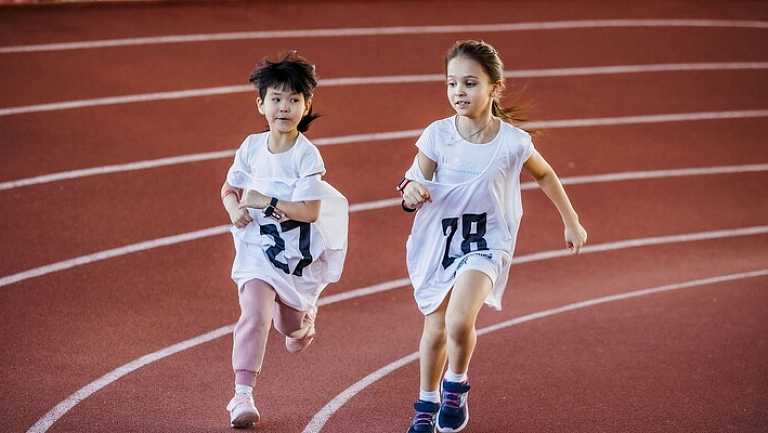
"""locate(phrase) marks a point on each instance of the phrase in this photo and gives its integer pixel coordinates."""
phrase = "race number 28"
(279, 246)
(472, 230)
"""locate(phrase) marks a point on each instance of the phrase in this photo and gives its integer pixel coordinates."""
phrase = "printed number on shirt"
(472, 230)
(279, 247)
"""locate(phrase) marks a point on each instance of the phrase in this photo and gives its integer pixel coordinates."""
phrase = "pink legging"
(259, 304)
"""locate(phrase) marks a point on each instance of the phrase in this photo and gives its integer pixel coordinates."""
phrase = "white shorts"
(493, 263)
(481, 262)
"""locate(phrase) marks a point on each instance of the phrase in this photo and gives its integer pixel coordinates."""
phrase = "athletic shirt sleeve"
(236, 176)
(523, 150)
(427, 142)
(310, 169)
(310, 161)
(527, 148)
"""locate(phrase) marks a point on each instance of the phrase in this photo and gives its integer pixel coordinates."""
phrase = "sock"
(452, 376)
(430, 396)
(243, 389)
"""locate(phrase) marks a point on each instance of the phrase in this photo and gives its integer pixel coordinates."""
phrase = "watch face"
(276, 215)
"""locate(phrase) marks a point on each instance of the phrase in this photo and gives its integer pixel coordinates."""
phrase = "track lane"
(118, 134)
(533, 290)
(677, 360)
(156, 298)
(194, 202)
(44, 25)
(169, 405)
(155, 68)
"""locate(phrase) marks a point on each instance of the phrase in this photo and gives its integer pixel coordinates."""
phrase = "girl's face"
(470, 90)
(283, 109)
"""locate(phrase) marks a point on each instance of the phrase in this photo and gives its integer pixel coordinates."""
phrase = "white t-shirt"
(457, 159)
(474, 213)
(297, 259)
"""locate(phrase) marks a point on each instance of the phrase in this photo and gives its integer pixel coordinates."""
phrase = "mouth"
(461, 104)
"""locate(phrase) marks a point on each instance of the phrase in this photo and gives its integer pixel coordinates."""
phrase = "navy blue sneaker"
(426, 416)
(454, 412)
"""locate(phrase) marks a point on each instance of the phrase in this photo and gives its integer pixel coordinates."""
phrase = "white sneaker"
(242, 411)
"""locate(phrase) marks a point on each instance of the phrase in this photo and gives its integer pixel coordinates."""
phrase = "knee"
(253, 323)
(459, 329)
(434, 336)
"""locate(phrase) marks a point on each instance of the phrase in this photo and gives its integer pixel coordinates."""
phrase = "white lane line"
(373, 137)
(320, 418)
(629, 120)
(111, 253)
(131, 166)
(317, 422)
(382, 31)
(358, 207)
(399, 79)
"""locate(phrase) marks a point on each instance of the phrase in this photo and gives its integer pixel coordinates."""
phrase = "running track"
(118, 122)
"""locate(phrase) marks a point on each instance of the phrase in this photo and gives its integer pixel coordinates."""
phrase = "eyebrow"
(280, 93)
(466, 76)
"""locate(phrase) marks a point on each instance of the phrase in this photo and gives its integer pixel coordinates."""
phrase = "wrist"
(401, 186)
(570, 220)
(271, 211)
(229, 191)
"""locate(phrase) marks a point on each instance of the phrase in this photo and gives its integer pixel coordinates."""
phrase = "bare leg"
(256, 309)
(432, 354)
(467, 297)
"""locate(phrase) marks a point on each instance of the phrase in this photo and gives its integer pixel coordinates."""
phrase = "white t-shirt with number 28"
(474, 216)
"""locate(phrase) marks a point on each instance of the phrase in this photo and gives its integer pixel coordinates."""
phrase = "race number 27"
(279, 246)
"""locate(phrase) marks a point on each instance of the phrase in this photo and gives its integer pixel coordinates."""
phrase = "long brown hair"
(488, 58)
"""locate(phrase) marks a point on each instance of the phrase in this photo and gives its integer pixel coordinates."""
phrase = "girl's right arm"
(414, 193)
(230, 198)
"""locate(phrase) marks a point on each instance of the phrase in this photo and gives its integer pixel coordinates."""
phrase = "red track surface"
(688, 360)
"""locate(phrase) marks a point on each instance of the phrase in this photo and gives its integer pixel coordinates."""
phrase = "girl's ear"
(307, 106)
(497, 89)
(260, 104)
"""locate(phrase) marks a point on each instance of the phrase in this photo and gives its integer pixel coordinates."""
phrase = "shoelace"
(452, 399)
(423, 418)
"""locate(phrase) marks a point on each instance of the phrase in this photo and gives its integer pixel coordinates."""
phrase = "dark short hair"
(290, 72)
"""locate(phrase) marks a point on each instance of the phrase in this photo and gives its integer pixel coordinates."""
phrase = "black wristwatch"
(271, 211)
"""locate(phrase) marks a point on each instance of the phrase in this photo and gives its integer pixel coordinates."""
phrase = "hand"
(575, 238)
(254, 199)
(240, 218)
(415, 195)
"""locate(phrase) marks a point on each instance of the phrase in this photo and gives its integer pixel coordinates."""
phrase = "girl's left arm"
(546, 178)
(304, 211)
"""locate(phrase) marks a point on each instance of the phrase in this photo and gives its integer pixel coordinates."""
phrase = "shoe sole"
(457, 429)
(245, 420)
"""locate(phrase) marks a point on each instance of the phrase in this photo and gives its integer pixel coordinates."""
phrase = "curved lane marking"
(359, 207)
(43, 424)
(382, 31)
(379, 136)
(320, 418)
(399, 79)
